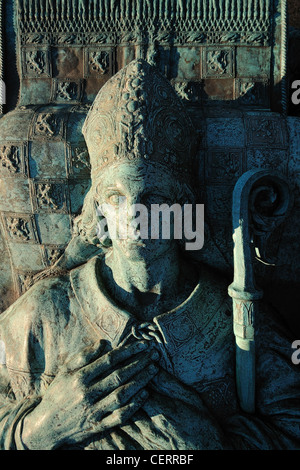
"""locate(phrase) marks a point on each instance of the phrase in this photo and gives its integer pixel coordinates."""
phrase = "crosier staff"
(261, 201)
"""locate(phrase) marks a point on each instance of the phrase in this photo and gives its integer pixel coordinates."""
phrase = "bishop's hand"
(94, 392)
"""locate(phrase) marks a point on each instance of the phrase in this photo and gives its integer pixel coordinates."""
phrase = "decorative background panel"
(45, 175)
(73, 47)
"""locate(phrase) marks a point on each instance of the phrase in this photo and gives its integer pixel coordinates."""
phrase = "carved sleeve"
(12, 414)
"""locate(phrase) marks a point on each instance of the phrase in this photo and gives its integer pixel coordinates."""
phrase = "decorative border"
(74, 18)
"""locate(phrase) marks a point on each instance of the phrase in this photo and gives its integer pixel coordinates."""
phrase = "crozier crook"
(261, 201)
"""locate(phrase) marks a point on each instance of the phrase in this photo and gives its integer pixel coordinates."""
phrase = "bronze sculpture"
(140, 323)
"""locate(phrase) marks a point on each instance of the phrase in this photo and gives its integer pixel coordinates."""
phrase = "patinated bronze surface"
(119, 344)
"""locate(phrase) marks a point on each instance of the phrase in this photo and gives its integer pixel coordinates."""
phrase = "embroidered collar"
(113, 323)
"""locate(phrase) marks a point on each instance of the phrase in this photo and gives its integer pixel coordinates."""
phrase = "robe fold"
(60, 316)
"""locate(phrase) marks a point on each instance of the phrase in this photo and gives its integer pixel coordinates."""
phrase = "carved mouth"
(136, 243)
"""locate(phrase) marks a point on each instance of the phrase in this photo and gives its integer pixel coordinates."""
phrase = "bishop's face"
(127, 196)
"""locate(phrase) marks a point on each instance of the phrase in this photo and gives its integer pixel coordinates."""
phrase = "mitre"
(138, 115)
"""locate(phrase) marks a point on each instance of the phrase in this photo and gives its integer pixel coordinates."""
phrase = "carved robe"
(60, 316)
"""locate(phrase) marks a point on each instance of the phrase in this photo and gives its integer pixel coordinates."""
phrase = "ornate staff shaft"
(251, 230)
(245, 296)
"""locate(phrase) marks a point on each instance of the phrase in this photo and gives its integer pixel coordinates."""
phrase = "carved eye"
(116, 199)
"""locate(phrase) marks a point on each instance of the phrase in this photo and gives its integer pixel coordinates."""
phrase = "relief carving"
(225, 165)
(218, 63)
(18, 228)
(80, 160)
(198, 18)
(67, 91)
(25, 281)
(10, 158)
(182, 349)
(264, 132)
(50, 196)
(53, 254)
(99, 62)
(35, 61)
(48, 125)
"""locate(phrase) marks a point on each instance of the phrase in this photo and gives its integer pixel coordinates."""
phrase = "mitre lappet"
(137, 115)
